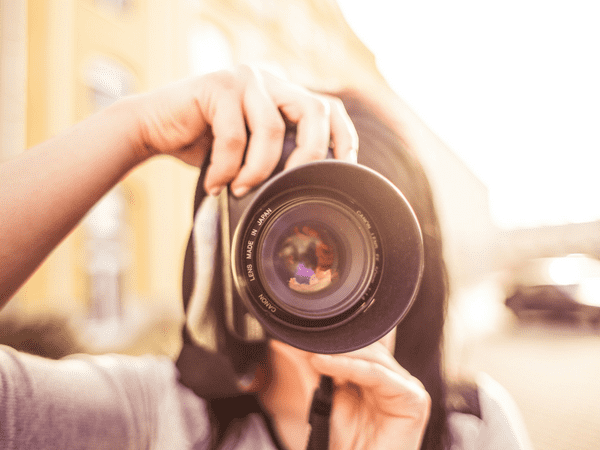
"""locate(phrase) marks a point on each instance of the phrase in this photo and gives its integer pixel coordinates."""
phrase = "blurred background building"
(118, 275)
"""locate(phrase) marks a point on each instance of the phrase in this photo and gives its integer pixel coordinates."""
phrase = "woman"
(112, 401)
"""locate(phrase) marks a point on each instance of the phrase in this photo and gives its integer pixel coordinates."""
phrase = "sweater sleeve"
(97, 402)
(501, 425)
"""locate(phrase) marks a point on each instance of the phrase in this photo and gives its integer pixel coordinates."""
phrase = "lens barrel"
(328, 256)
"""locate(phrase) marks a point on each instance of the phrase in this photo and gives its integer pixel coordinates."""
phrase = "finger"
(388, 386)
(343, 133)
(379, 353)
(229, 131)
(313, 131)
(310, 112)
(267, 131)
(374, 355)
(345, 369)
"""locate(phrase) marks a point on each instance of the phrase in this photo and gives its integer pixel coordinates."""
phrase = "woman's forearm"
(47, 190)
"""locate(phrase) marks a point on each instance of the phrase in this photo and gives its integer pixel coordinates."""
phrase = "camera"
(326, 257)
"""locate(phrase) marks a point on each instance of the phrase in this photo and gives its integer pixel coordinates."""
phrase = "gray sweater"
(122, 402)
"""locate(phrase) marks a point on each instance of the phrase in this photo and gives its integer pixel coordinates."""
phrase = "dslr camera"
(326, 257)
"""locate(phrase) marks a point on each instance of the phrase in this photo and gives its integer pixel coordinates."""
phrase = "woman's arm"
(102, 402)
(46, 191)
(49, 188)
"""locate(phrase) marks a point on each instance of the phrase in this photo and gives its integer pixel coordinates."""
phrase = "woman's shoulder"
(483, 415)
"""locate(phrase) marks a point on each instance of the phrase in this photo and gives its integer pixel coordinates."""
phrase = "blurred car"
(562, 288)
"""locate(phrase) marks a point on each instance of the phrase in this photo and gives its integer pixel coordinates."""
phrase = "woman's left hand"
(377, 404)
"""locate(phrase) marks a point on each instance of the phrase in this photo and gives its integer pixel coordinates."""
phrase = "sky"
(512, 87)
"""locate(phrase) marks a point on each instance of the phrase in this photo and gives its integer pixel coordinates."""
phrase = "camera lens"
(327, 256)
(315, 258)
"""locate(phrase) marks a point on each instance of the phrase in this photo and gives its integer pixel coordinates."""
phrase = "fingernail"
(216, 190)
(240, 191)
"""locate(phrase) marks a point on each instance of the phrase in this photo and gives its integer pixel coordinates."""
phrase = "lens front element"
(315, 259)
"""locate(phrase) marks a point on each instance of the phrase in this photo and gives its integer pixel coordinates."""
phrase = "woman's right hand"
(228, 110)
(377, 404)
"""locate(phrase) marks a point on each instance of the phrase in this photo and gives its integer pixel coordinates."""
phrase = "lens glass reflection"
(308, 258)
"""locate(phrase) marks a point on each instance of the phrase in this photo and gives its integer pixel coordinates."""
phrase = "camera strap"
(320, 413)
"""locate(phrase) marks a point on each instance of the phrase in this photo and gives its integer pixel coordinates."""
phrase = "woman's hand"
(377, 404)
(229, 110)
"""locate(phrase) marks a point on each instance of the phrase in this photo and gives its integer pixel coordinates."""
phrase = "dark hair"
(419, 336)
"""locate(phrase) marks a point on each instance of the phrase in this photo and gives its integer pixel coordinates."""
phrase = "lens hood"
(369, 249)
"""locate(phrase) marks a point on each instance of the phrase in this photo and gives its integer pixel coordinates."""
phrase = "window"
(108, 81)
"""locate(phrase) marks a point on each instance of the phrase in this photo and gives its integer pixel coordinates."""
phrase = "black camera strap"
(320, 413)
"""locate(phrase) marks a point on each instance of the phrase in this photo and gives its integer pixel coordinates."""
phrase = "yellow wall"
(64, 37)
(41, 293)
(309, 40)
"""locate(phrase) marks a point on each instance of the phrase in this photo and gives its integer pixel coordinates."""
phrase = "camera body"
(326, 257)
